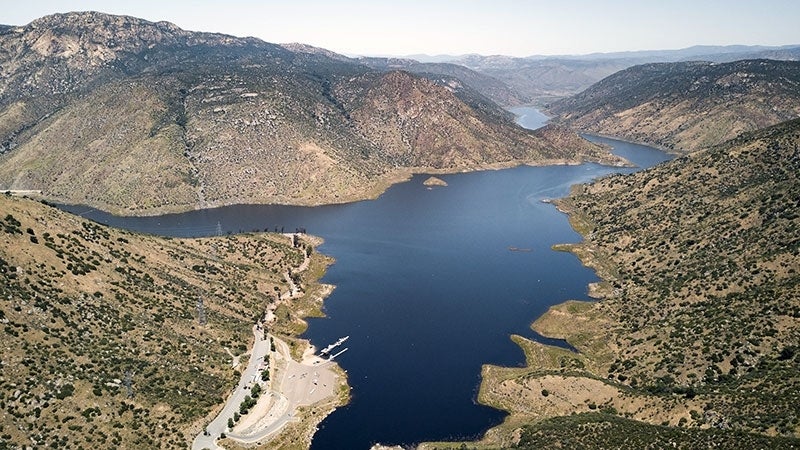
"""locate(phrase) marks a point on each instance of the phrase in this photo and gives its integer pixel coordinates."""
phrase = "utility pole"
(128, 384)
(201, 312)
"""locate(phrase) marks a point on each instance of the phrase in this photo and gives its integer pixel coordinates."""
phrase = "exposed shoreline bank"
(378, 187)
(637, 372)
(554, 373)
(287, 410)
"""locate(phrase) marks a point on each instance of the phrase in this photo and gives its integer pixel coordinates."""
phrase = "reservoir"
(427, 287)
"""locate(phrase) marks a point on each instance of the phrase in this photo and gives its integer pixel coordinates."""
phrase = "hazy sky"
(510, 27)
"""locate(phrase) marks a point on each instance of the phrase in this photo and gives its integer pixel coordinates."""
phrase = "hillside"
(85, 308)
(696, 338)
(686, 106)
(544, 79)
(786, 53)
(442, 73)
(488, 86)
(137, 117)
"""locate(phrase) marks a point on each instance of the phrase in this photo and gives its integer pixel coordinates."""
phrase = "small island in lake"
(433, 181)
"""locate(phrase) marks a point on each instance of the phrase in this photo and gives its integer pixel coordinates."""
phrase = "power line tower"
(201, 312)
(215, 243)
(128, 384)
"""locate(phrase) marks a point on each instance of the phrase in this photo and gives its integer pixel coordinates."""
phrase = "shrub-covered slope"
(138, 117)
(687, 106)
(102, 340)
(699, 322)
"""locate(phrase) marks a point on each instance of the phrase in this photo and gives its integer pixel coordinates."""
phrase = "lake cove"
(430, 283)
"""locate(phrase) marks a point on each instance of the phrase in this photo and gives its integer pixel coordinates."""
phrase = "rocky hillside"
(102, 340)
(544, 79)
(138, 117)
(687, 106)
(447, 74)
(697, 337)
(486, 85)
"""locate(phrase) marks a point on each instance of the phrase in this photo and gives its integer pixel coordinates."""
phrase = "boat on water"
(517, 249)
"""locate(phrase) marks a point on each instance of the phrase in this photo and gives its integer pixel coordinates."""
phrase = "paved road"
(300, 384)
(220, 423)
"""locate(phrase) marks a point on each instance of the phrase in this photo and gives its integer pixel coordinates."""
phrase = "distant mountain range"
(543, 79)
(138, 117)
(441, 73)
(686, 106)
(696, 53)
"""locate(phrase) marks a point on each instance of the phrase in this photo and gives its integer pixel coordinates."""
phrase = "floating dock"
(334, 356)
(327, 350)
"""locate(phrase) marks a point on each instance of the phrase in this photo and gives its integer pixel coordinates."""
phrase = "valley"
(695, 333)
(685, 107)
(663, 291)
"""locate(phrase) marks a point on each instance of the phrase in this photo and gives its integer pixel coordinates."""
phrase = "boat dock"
(327, 350)
(334, 356)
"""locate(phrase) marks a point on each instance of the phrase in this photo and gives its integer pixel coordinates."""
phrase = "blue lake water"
(529, 117)
(427, 289)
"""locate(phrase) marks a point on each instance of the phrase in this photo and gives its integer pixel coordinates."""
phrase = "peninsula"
(117, 339)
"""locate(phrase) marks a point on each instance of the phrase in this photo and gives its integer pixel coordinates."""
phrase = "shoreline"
(676, 153)
(631, 374)
(283, 408)
(548, 368)
(372, 192)
(592, 389)
(558, 370)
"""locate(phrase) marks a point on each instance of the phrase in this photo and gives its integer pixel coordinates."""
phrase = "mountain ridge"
(686, 106)
(545, 79)
(668, 55)
(240, 120)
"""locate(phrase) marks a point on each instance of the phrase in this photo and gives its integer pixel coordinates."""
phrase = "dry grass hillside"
(486, 85)
(686, 106)
(88, 311)
(136, 117)
(696, 341)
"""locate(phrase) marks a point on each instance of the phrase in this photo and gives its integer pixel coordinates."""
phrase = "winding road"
(207, 439)
(293, 384)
